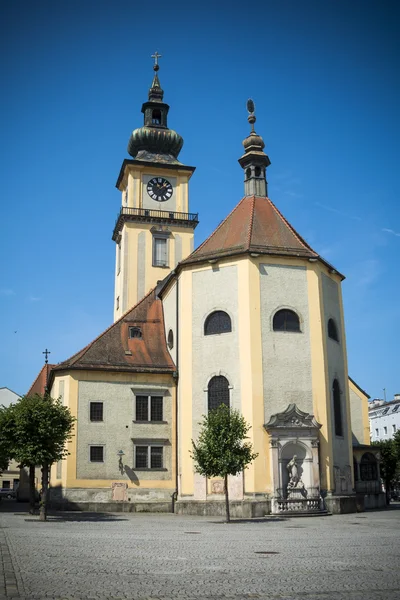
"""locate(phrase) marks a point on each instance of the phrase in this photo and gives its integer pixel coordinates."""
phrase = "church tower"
(154, 229)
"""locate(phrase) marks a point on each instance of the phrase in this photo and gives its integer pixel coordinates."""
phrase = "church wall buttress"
(337, 369)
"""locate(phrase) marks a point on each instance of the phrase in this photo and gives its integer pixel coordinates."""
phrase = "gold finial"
(156, 56)
(252, 117)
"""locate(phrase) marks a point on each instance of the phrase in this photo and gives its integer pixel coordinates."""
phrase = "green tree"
(389, 463)
(221, 449)
(37, 431)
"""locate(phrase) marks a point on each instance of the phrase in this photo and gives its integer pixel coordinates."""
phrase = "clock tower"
(154, 229)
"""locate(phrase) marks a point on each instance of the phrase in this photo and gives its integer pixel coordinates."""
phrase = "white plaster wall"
(336, 370)
(379, 422)
(117, 429)
(286, 355)
(169, 308)
(214, 289)
(8, 397)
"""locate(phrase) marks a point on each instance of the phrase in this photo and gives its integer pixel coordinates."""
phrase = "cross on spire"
(46, 353)
(156, 56)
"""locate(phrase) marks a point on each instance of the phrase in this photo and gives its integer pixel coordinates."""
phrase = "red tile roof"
(39, 385)
(254, 225)
(113, 350)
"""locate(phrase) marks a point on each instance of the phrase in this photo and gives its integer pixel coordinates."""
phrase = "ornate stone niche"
(294, 460)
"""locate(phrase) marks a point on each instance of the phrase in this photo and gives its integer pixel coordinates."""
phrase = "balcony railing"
(151, 215)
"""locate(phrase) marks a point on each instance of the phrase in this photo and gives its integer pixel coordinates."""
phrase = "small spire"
(252, 117)
(156, 93)
(254, 161)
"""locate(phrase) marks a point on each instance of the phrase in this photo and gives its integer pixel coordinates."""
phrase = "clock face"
(159, 189)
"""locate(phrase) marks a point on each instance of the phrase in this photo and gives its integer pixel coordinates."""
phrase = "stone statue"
(293, 472)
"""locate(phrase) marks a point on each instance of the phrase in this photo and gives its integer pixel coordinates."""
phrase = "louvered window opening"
(286, 320)
(337, 408)
(218, 322)
(332, 330)
(218, 392)
(96, 454)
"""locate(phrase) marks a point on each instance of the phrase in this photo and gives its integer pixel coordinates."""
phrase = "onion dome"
(154, 141)
(254, 160)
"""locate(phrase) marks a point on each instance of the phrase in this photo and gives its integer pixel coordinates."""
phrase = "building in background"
(253, 318)
(9, 479)
(384, 418)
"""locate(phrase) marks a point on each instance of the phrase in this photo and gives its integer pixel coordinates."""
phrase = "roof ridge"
(292, 229)
(86, 348)
(251, 221)
(219, 226)
(46, 366)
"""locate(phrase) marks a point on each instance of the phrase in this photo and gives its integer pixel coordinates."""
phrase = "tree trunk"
(32, 489)
(45, 486)
(228, 515)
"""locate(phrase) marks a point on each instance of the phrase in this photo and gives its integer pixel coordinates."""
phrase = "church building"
(252, 318)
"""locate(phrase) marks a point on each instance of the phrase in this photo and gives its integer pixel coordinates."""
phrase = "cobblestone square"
(151, 556)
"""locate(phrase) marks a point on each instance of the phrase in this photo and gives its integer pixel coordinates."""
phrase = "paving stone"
(151, 557)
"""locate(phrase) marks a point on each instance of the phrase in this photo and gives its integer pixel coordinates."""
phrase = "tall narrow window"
(337, 408)
(286, 320)
(156, 117)
(218, 392)
(368, 467)
(160, 252)
(332, 330)
(118, 258)
(217, 322)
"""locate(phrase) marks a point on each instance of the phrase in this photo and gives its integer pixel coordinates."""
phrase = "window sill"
(147, 469)
(161, 266)
(150, 422)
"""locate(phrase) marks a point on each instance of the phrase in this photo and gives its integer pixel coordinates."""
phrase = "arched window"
(217, 322)
(170, 340)
(337, 408)
(156, 117)
(218, 392)
(368, 467)
(257, 171)
(286, 320)
(332, 330)
(355, 468)
(135, 332)
(248, 173)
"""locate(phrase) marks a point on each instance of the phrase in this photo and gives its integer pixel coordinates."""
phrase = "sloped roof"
(114, 350)
(254, 225)
(39, 385)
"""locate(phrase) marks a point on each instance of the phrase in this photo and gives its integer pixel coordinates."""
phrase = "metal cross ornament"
(156, 56)
(46, 353)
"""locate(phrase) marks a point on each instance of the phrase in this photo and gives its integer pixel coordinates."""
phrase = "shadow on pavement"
(91, 517)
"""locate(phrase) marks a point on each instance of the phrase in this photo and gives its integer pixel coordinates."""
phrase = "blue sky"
(325, 80)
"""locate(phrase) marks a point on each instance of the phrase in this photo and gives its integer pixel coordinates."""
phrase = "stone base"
(98, 507)
(339, 505)
(216, 508)
(371, 501)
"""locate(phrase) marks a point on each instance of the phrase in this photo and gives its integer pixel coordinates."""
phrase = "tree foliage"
(34, 431)
(37, 429)
(389, 461)
(221, 449)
